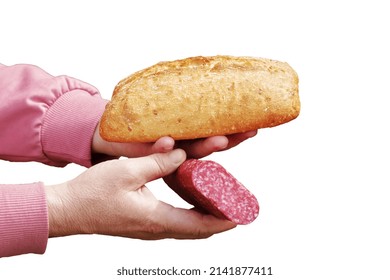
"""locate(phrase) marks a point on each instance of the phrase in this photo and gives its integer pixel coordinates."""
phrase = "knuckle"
(159, 164)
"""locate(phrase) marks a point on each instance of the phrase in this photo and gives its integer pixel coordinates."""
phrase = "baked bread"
(200, 97)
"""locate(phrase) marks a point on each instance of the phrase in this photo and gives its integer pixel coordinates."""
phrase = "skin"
(194, 148)
(111, 198)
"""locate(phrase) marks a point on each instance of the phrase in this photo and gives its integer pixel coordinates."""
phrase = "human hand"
(111, 198)
(196, 148)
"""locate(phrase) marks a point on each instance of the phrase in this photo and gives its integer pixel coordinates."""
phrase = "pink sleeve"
(23, 219)
(39, 114)
(46, 119)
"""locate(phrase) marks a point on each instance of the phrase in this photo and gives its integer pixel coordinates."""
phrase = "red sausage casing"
(209, 187)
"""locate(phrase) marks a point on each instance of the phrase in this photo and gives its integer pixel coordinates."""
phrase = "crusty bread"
(200, 97)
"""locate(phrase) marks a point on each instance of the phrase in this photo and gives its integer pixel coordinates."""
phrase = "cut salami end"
(209, 187)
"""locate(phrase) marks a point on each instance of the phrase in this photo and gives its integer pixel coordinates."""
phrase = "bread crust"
(200, 97)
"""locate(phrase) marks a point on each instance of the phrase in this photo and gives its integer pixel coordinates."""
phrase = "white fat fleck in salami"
(209, 187)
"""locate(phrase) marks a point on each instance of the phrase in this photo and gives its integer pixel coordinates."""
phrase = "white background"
(322, 180)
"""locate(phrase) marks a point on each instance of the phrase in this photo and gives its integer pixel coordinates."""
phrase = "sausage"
(211, 188)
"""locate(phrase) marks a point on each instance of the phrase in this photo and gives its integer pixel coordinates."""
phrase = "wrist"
(100, 149)
(61, 212)
(99, 146)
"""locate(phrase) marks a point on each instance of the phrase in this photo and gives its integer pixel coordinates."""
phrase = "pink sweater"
(45, 119)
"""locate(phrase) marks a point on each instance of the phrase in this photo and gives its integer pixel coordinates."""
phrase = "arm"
(39, 114)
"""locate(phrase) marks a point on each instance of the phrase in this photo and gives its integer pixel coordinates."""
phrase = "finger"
(149, 168)
(235, 139)
(204, 147)
(134, 149)
(163, 145)
(189, 224)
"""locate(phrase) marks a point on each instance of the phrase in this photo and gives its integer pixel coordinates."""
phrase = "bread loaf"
(200, 97)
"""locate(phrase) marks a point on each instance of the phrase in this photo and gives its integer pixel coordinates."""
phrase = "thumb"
(156, 166)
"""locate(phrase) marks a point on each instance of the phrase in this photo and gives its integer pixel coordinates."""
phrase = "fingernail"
(177, 156)
(251, 134)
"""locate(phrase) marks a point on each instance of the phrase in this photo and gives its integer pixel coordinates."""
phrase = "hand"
(110, 198)
(197, 148)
